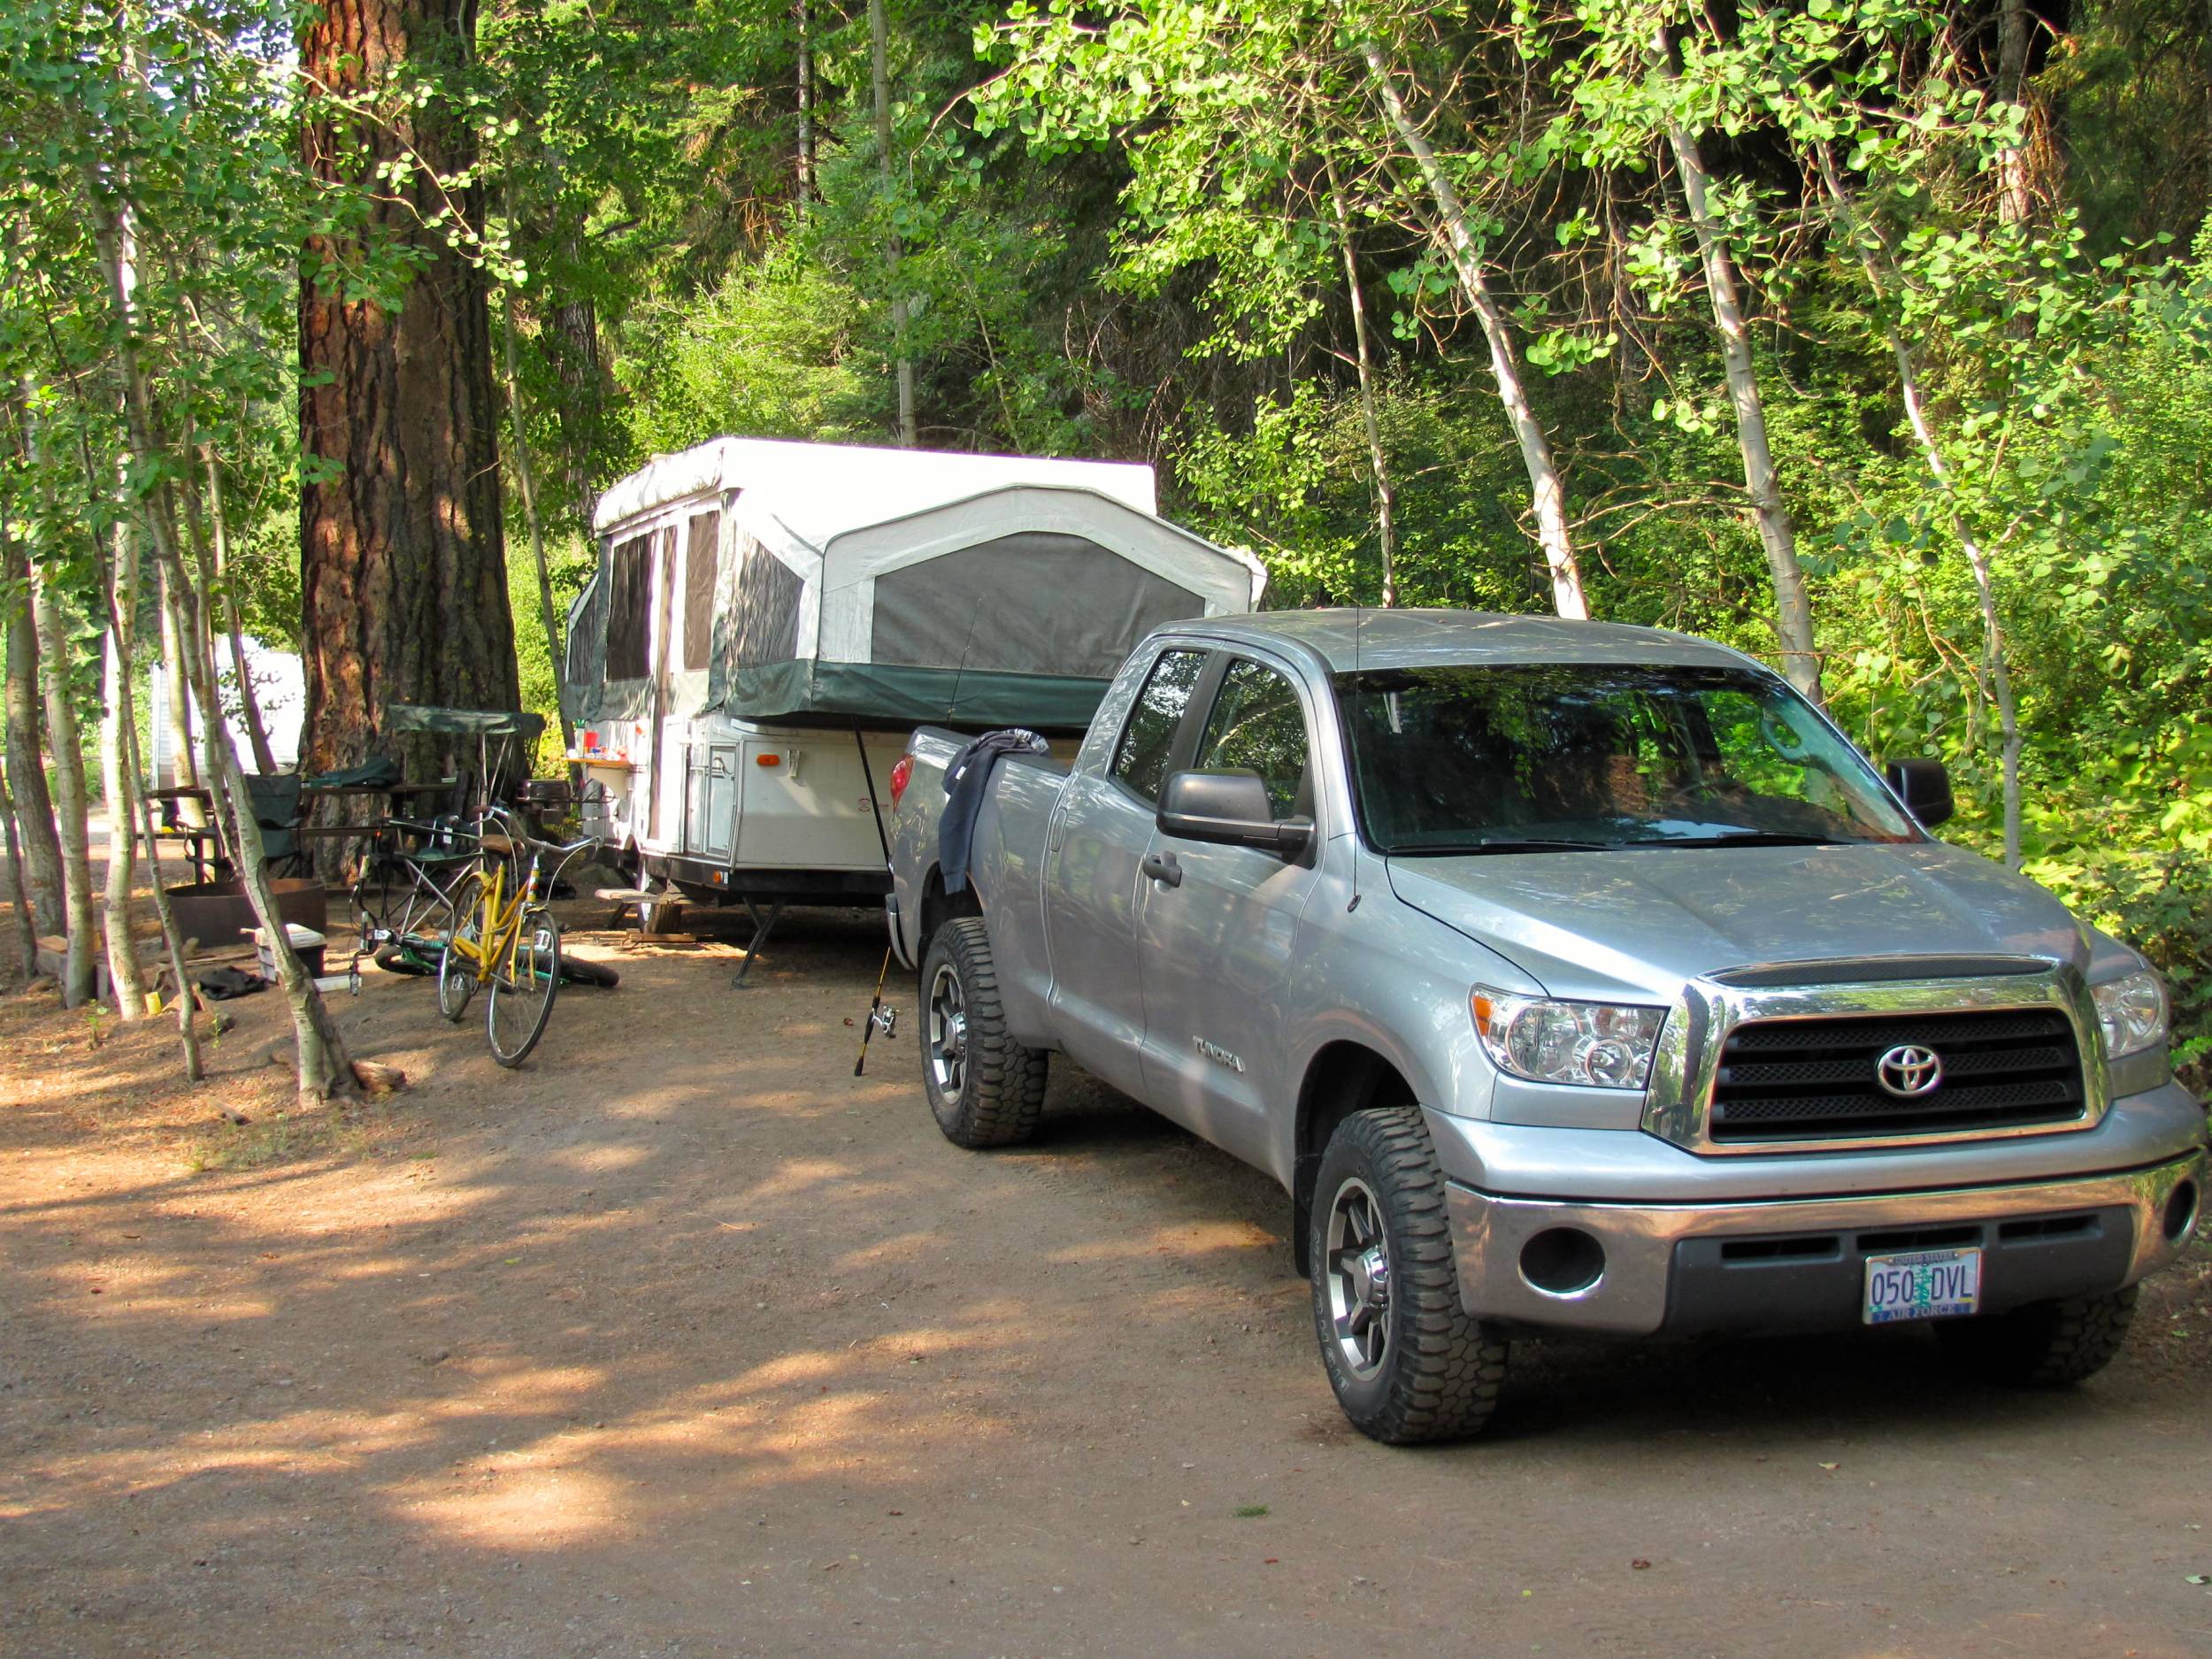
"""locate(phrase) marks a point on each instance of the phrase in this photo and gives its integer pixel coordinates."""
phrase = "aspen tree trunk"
(175, 710)
(1543, 473)
(1882, 277)
(26, 763)
(878, 47)
(2015, 200)
(806, 109)
(1386, 495)
(325, 1070)
(19, 895)
(1777, 536)
(248, 699)
(78, 974)
(119, 782)
(525, 476)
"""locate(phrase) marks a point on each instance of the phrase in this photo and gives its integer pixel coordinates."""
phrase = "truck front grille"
(1814, 1079)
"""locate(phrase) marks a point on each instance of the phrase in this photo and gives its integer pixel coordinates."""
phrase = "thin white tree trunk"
(78, 974)
(1378, 465)
(325, 1070)
(19, 895)
(526, 476)
(1881, 277)
(1777, 536)
(174, 713)
(248, 699)
(879, 48)
(118, 783)
(26, 762)
(1543, 474)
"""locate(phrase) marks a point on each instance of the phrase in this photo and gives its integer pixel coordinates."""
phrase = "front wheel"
(1408, 1362)
(523, 988)
(2046, 1344)
(985, 1090)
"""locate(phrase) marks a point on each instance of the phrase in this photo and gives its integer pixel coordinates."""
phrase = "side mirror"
(1925, 787)
(1232, 809)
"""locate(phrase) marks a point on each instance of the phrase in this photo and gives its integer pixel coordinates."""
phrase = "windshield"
(1528, 757)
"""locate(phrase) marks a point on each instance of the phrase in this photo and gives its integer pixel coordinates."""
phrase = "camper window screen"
(699, 550)
(765, 620)
(629, 608)
(1002, 606)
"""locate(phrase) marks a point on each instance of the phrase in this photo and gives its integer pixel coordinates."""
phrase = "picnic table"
(203, 847)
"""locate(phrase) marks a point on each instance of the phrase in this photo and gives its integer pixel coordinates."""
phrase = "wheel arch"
(1343, 1077)
(939, 907)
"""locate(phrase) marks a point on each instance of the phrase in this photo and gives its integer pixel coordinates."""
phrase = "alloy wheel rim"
(947, 1034)
(1357, 1267)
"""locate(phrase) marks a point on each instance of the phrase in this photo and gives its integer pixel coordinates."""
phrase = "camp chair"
(277, 809)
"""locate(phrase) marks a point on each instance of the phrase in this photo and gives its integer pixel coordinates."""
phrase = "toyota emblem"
(1909, 1071)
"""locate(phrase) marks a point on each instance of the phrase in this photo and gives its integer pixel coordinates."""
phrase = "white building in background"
(279, 688)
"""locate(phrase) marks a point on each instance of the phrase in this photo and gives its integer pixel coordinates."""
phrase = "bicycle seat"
(494, 842)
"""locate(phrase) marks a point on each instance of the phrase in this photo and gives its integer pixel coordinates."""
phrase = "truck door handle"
(1163, 869)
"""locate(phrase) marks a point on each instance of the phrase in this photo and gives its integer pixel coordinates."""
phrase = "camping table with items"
(203, 848)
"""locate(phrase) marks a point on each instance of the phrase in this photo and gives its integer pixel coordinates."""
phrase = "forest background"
(1873, 336)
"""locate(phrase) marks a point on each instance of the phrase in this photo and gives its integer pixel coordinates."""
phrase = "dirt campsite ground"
(683, 1340)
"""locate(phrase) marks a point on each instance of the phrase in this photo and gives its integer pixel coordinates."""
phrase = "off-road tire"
(998, 1087)
(1440, 1374)
(2046, 1344)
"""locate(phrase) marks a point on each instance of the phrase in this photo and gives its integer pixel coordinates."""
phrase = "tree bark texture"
(79, 972)
(1377, 462)
(1777, 536)
(175, 710)
(1549, 495)
(19, 895)
(403, 570)
(119, 782)
(880, 74)
(26, 761)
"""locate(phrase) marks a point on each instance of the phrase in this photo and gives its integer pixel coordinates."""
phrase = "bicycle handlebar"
(519, 833)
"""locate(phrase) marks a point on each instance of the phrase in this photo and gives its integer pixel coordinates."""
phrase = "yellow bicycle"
(505, 938)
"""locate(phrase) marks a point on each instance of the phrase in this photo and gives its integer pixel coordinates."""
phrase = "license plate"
(1923, 1285)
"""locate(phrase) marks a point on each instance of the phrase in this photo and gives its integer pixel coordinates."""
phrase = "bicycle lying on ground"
(503, 936)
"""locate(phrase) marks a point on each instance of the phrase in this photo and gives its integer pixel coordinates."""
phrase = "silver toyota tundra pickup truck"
(1570, 977)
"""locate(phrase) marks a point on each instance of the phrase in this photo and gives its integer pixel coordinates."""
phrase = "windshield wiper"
(1746, 838)
(1461, 849)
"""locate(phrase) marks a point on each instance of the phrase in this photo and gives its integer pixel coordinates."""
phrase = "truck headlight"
(2132, 1012)
(1595, 1045)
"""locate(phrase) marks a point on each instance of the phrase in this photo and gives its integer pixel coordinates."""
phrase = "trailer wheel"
(985, 1090)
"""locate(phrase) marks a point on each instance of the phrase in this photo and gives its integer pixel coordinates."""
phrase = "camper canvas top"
(781, 581)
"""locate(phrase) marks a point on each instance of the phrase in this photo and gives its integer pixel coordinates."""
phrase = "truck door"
(1218, 944)
(1099, 835)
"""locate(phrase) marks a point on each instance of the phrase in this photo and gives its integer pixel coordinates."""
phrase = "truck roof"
(1411, 639)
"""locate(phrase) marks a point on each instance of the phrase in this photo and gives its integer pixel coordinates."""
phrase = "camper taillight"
(901, 774)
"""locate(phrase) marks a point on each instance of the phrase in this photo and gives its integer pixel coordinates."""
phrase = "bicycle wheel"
(523, 988)
(456, 972)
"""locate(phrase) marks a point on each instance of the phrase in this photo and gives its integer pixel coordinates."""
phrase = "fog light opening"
(1563, 1262)
(2181, 1211)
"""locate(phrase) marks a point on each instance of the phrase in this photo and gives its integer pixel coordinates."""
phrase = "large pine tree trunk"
(26, 762)
(403, 570)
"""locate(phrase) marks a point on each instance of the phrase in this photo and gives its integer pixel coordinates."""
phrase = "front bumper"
(1798, 1263)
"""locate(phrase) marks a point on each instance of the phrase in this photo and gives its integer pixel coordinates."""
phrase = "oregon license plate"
(1923, 1285)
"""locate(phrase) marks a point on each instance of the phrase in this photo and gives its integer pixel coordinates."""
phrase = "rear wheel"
(523, 988)
(985, 1090)
(2046, 1344)
(458, 969)
(1407, 1361)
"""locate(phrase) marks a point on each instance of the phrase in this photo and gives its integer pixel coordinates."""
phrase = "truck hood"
(1640, 922)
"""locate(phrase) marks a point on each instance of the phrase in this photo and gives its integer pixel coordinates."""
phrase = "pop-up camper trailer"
(769, 620)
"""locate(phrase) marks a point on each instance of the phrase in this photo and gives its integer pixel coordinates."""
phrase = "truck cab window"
(1257, 726)
(1140, 759)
